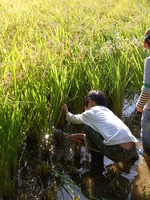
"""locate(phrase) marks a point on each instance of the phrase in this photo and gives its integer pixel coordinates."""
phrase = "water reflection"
(60, 169)
(62, 176)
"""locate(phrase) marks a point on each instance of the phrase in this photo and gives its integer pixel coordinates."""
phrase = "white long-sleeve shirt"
(102, 120)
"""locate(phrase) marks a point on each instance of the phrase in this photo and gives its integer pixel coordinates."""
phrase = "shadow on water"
(60, 169)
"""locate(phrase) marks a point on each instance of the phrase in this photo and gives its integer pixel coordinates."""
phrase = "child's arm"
(142, 100)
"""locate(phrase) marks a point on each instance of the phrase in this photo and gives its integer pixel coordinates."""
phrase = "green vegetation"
(55, 51)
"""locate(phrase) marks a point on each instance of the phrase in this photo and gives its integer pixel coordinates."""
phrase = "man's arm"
(75, 119)
(79, 136)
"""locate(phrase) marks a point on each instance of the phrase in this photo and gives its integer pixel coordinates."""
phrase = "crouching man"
(105, 132)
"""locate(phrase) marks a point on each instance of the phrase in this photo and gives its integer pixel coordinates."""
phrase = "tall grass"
(53, 52)
(137, 67)
(58, 85)
(13, 128)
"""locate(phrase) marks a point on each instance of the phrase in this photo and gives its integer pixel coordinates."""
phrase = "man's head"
(94, 97)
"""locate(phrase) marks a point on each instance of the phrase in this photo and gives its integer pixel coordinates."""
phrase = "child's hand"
(139, 109)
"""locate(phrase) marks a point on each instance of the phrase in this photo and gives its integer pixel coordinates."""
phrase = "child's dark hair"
(147, 37)
(96, 96)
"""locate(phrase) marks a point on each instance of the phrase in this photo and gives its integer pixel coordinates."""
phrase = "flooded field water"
(62, 170)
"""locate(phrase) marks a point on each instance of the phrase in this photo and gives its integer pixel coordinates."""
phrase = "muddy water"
(66, 174)
(141, 169)
(59, 169)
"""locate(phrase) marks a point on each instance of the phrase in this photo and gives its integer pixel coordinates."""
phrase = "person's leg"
(95, 142)
(117, 153)
(113, 152)
(145, 132)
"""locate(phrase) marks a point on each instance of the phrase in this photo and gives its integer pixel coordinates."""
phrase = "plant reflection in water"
(61, 169)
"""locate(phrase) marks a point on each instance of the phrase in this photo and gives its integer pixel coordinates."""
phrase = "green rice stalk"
(13, 127)
(137, 66)
(58, 88)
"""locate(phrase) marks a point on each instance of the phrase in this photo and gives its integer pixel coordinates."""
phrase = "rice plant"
(14, 124)
(53, 52)
(137, 67)
(57, 90)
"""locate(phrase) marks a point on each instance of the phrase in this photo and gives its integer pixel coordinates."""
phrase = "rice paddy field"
(53, 52)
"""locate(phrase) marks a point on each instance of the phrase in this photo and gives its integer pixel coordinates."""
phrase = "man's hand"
(64, 109)
(79, 136)
(76, 137)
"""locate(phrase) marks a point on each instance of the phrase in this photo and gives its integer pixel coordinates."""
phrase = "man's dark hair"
(96, 96)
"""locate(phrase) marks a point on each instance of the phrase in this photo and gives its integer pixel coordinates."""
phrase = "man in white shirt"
(105, 132)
